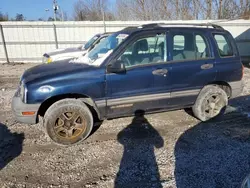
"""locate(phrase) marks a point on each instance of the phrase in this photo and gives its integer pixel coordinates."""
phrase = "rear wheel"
(211, 102)
(68, 121)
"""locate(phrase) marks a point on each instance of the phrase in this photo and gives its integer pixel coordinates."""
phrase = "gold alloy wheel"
(70, 125)
(213, 106)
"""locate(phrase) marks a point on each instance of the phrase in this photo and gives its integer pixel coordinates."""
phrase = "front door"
(145, 85)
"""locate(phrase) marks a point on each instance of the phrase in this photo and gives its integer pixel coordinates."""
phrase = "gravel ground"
(170, 149)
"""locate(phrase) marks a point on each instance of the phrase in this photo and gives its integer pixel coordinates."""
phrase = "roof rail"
(130, 28)
(152, 25)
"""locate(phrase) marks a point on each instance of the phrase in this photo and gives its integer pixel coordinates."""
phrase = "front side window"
(224, 47)
(189, 46)
(146, 50)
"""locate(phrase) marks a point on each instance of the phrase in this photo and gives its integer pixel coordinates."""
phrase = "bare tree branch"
(92, 10)
(181, 9)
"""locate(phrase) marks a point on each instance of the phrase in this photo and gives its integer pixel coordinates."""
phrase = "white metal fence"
(27, 41)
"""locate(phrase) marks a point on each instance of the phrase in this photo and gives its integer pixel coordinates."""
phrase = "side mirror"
(117, 66)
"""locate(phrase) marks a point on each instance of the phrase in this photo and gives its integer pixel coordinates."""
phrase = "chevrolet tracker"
(151, 68)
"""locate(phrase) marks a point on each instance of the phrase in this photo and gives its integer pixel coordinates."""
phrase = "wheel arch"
(202, 108)
(223, 85)
(84, 98)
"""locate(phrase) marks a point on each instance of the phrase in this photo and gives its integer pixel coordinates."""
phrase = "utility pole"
(55, 8)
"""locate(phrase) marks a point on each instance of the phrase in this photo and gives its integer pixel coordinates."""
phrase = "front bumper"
(18, 107)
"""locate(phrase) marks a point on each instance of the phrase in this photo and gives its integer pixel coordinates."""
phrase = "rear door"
(193, 65)
(146, 84)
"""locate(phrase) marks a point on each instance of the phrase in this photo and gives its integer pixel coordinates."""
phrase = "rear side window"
(224, 47)
(179, 42)
(200, 43)
(189, 46)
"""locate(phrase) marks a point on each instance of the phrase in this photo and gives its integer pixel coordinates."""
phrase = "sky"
(34, 9)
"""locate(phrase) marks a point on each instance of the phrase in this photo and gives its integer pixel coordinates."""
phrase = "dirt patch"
(160, 150)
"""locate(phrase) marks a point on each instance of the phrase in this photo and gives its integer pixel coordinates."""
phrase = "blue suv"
(151, 68)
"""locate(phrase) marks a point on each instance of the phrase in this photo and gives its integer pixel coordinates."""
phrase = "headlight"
(23, 92)
(47, 59)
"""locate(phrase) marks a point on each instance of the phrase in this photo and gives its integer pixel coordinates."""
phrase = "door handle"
(207, 66)
(160, 72)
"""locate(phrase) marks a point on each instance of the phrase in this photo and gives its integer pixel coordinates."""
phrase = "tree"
(245, 9)
(19, 17)
(209, 9)
(220, 9)
(154, 10)
(123, 11)
(181, 9)
(139, 9)
(92, 10)
(50, 19)
(4, 17)
(65, 16)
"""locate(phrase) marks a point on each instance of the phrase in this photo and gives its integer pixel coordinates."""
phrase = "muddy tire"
(211, 103)
(68, 121)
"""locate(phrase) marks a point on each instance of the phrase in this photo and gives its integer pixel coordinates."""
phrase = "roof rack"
(130, 28)
(153, 25)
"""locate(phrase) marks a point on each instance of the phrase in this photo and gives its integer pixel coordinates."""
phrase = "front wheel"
(211, 102)
(68, 121)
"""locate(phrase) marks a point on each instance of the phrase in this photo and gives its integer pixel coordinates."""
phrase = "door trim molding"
(185, 93)
(140, 98)
(143, 98)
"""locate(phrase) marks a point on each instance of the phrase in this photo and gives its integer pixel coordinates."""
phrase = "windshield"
(90, 42)
(107, 45)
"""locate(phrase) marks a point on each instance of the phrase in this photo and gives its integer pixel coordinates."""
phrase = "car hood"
(61, 51)
(55, 70)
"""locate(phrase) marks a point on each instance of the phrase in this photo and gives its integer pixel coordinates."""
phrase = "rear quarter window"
(223, 45)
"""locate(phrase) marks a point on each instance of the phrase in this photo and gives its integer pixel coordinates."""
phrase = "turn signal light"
(28, 113)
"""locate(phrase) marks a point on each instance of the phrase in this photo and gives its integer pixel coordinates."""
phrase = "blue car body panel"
(71, 78)
(119, 94)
